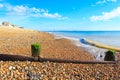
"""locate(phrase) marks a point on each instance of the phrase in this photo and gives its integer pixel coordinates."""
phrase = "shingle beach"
(17, 41)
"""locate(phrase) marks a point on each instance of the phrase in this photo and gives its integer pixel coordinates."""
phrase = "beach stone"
(10, 67)
(34, 77)
(4, 76)
(13, 67)
(101, 55)
(23, 70)
(11, 73)
(26, 68)
(53, 78)
(29, 75)
(28, 62)
(75, 69)
(41, 76)
(18, 67)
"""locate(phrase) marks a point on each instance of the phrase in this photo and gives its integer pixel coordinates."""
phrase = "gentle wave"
(98, 53)
(110, 38)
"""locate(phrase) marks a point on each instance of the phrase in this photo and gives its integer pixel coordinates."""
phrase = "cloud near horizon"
(22, 10)
(105, 1)
(107, 15)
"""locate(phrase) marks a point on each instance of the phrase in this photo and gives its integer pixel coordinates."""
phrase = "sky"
(54, 15)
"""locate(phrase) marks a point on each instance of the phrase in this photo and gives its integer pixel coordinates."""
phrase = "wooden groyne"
(8, 57)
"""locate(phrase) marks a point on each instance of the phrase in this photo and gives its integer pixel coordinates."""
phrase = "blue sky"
(70, 15)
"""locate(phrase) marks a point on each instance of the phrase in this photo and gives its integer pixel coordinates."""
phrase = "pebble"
(58, 71)
(10, 67)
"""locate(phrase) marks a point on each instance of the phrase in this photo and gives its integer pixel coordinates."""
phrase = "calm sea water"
(111, 38)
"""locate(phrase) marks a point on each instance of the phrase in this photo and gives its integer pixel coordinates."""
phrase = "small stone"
(34, 77)
(18, 67)
(26, 68)
(29, 74)
(23, 70)
(11, 73)
(4, 76)
(13, 68)
(75, 69)
(53, 78)
(101, 56)
(10, 67)
(28, 62)
(42, 75)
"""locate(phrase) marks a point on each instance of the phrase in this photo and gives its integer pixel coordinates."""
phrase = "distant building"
(0, 24)
(6, 23)
(14, 25)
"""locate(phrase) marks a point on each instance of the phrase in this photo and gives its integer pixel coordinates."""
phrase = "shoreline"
(97, 52)
(53, 45)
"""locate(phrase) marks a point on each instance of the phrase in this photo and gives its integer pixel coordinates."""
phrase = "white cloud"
(20, 9)
(105, 1)
(107, 15)
(55, 15)
(32, 12)
(17, 10)
(1, 5)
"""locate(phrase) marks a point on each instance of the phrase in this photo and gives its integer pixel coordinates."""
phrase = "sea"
(109, 38)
